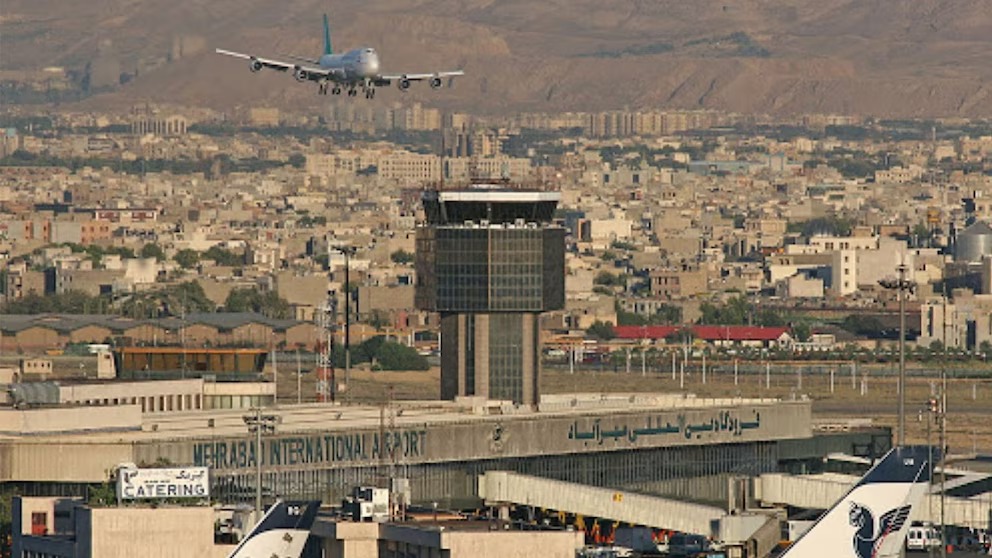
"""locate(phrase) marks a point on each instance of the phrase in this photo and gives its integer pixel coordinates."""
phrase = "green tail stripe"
(327, 37)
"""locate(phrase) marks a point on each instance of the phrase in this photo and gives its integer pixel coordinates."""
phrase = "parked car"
(686, 545)
(922, 538)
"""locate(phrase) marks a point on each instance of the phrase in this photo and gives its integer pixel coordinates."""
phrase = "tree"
(859, 324)
(625, 318)
(985, 348)
(69, 302)
(187, 258)
(735, 311)
(173, 300)
(801, 331)
(152, 250)
(6, 517)
(269, 303)
(601, 330)
(607, 279)
(682, 336)
(831, 225)
(224, 257)
(402, 257)
(667, 314)
(101, 495)
(297, 160)
(378, 319)
(395, 356)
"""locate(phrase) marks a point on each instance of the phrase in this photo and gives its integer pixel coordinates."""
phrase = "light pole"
(901, 285)
(347, 252)
(257, 425)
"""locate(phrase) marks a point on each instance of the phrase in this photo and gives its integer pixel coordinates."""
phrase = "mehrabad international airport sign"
(179, 482)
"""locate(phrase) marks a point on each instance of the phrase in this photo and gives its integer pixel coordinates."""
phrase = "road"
(916, 554)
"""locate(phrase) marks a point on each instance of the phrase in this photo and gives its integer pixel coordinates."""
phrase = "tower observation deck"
(489, 261)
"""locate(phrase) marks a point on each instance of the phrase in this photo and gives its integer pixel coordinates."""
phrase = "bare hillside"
(892, 58)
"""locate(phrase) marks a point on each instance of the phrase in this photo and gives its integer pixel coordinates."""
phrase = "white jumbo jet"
(282, 532)
(357, 68)
(871, 521)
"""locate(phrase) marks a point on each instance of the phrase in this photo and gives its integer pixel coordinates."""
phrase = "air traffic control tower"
(489, 261)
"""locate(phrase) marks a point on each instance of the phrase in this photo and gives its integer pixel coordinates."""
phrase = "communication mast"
(324, 318)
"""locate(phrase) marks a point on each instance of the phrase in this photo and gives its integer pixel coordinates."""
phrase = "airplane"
(871, 521)
(282, 532)
(353, 69)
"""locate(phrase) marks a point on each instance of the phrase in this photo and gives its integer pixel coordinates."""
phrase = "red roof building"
(720, 335)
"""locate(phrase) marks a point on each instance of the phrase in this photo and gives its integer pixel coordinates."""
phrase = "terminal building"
(670, 445)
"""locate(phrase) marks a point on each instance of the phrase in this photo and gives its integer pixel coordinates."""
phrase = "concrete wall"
(162, 532)
(126, 391)
(387, 540)
(69, 419)
(348, 540)
(62, 461)
(512, 544)
(151, 532)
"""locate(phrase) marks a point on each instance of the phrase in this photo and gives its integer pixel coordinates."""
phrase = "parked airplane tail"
(282, 532)
(327, 37)
(872, 519)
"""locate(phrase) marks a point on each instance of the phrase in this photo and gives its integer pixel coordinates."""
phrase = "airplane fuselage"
(358, 64)
(351, 71)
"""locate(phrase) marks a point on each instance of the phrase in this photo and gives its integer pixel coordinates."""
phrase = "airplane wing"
(404, 80)
(418, 77)
(301, 68)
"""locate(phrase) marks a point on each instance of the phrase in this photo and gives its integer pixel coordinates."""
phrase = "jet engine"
(435, 82)
(404, 84)
(255, 65)
(300, 74)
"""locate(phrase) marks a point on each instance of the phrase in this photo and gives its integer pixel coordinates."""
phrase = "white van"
(922, 538)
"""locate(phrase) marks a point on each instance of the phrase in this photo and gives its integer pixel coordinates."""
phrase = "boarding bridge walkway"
(824, 490)
(504, 487)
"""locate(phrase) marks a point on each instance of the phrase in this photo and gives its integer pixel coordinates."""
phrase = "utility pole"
(299, 378)
(275, 376)
(902, 286)
(942, 416)
(902, 355)
(259, 424)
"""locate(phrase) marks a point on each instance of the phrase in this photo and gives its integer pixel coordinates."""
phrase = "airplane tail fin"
(327, 37)
(872, 519)
(282, 532)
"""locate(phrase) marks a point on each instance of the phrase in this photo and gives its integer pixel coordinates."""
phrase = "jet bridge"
(822, 491)
(504, 487)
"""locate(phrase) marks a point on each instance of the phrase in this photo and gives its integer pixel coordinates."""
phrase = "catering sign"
(179, 482)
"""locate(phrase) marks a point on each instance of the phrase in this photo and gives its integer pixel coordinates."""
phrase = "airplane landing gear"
(336, 90)
(370, 93)
(352, 92)
(322, 88)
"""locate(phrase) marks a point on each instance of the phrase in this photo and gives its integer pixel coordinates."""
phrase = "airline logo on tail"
(851, 528)
(867, 537)
(282, 532)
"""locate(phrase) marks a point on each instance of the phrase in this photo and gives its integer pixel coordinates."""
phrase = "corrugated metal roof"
(64, 323)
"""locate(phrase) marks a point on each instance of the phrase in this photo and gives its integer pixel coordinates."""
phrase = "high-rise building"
(489, 260)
